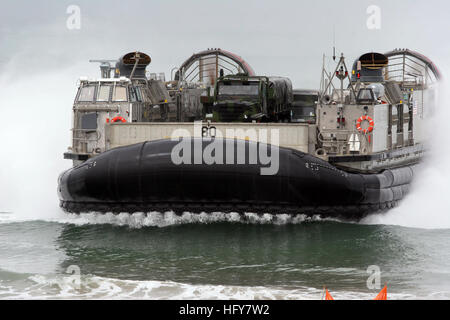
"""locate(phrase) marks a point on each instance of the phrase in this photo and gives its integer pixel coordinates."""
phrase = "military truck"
(243, 98)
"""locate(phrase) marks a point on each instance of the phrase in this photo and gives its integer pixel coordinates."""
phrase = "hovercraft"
(199, 146)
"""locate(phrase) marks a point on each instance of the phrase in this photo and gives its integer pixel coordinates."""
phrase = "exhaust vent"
(132, 65)
(369, 67)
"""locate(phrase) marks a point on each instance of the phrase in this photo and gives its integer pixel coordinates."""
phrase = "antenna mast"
(334, 43)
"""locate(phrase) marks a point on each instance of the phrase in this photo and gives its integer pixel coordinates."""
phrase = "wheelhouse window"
(103, 92)
(120, 93)
(135, 94)
(86, 94)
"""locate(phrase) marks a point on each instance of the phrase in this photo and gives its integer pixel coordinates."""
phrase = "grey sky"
(280, 37)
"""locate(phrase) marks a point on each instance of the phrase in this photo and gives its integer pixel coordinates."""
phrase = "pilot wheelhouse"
(127, 97)
(98, 102)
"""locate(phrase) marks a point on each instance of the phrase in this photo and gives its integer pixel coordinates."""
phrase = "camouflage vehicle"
(242, 98)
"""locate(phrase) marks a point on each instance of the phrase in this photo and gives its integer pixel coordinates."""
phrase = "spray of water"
(35, 131)
(428, 203)
(158, 219)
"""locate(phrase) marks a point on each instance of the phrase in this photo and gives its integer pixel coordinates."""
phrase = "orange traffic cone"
(328, 295)
(383, 294)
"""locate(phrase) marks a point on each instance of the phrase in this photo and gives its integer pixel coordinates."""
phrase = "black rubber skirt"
(223, 175)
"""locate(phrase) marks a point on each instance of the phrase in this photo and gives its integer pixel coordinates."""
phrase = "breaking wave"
(94, 287)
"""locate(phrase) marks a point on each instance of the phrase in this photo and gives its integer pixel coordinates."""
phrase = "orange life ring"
(118, 118)
(368, 129)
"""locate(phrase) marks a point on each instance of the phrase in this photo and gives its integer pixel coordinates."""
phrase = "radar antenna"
(334, 43)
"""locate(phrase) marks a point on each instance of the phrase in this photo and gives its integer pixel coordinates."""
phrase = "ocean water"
(219, 256)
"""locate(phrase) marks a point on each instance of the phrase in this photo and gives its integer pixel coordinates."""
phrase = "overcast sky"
(285, 38)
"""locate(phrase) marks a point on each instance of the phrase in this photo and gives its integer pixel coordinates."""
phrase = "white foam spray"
(165, 219)
(34, 133)
(428, 203)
